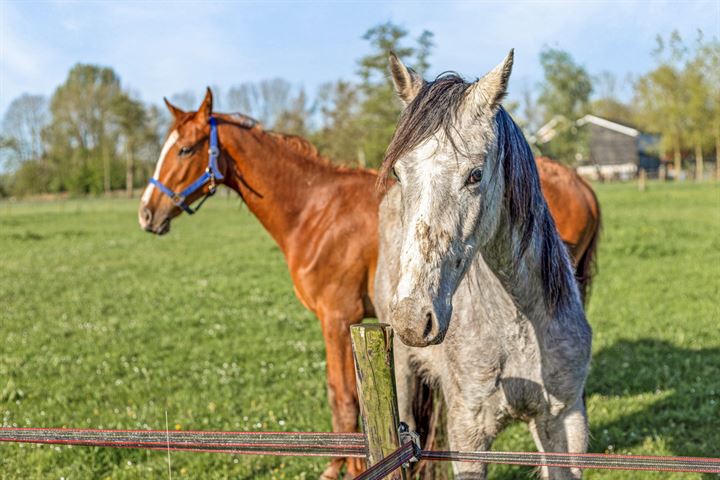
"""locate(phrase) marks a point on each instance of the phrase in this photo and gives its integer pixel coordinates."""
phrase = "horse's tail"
(429, 413)
(587, 266)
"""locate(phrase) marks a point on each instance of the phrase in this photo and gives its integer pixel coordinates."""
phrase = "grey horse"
(472, 274)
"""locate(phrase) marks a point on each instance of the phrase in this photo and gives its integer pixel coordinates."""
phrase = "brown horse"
(576, 211)
(323, 217)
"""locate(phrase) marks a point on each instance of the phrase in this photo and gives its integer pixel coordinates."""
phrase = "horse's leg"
(564, 433)
(470, 430)
(342, 393)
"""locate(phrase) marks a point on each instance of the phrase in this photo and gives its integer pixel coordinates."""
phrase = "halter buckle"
(211, 180)
(213, 151)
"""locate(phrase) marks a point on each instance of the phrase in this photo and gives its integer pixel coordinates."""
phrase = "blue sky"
(164, 47)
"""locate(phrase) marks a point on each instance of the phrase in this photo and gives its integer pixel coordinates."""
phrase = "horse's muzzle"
(145, 218)
(417, 325)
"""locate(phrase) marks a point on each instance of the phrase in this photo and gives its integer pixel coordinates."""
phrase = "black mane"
(529, 213)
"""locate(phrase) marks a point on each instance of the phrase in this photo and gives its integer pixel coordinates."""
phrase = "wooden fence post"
(372, 345)
(642, 174)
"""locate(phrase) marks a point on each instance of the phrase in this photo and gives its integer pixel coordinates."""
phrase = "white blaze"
(429, 162)
(166, 148)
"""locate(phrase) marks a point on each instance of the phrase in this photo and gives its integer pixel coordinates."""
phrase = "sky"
(160, 48)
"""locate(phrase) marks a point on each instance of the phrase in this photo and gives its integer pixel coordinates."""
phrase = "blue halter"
(212, 175)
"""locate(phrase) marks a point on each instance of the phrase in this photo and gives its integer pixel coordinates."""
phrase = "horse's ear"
(489, 91)
(407, 82)
(205, 110)
(176, 112)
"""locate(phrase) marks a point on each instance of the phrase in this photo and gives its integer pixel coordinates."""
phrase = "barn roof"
(601, 122)
(548, 131)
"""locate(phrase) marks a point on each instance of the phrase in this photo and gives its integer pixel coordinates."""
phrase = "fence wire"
(584, 460)
(341, 445)
(248, 443)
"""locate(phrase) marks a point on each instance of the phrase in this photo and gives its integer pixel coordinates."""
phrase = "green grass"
(104, 326)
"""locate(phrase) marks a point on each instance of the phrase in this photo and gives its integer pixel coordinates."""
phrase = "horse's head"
(185, 171)
(442, 151)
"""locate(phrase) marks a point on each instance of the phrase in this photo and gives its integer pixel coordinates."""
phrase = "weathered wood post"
(372, 346)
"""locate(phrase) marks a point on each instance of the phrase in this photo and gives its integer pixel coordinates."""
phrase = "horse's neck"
(273, 178)
(495, 283)
(521, 277)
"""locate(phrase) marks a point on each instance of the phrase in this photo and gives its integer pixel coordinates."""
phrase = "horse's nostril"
(146, 215)
(429, 324)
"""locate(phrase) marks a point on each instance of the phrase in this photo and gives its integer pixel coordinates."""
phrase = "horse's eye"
(475, 176)
(184, 151)
(395, 175)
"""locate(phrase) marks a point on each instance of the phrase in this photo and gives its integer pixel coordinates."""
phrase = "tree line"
(678, 100)
(95, 136)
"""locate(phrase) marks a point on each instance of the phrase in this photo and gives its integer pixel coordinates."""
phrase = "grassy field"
(104, 326)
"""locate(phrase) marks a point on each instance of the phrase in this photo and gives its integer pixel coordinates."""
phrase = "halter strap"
(212, 175)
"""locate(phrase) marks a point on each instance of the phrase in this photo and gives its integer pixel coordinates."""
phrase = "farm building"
(614, 150)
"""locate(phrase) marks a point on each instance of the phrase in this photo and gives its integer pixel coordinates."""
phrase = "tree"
(295, 117)
(339, 136)
(265, 101)
(22, 128)
(132, 120)
(698, 110)
(8, 147)
(702, 77)
(710, 53)
(661, 97)
(425, 44)
(565, 96)
(380, 109)
(607, 104)
(83, 136)
(274, 104)
(24, 147)
(567, 86)
(529, 111)
(157, 123)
